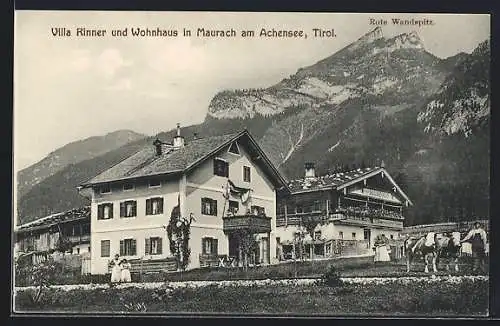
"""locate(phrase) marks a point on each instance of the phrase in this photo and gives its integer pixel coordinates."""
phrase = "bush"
(331, 277)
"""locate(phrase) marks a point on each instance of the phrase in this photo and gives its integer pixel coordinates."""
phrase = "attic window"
(234, 148)
(128, 186)
(154, 183)
(105, 189)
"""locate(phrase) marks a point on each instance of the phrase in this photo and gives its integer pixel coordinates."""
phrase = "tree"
(178, 232)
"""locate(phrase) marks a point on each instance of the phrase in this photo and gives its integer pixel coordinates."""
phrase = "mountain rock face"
(379, 100)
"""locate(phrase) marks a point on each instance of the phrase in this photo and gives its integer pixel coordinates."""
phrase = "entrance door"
(367, 236)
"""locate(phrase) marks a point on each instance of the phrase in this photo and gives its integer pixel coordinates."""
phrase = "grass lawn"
(416, 299)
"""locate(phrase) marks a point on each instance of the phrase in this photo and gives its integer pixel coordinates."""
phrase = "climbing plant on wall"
(178, 232)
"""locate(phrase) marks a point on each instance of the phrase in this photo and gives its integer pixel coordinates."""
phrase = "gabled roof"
(340, 180)
(53, 219)
(146, 164)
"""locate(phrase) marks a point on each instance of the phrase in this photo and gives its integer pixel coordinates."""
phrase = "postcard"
(251, 164)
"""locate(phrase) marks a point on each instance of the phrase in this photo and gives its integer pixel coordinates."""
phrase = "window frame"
(237, 148)
(353, 236)
(149, 207)
(233, 202)
(245, 169)
(148, 246)
(111, 210)
(101, 188)
(213, 209)
(212, 241)
(226, 164)
(128, 183)
(109, 247)
(155, 185)
(134, 207)
(133, 244)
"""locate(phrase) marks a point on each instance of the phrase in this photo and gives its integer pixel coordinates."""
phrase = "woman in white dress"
(125, 277)
(381, 251)
(116, 269)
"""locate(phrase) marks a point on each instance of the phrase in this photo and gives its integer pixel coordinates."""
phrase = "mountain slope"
(370, 103)
(72, 153)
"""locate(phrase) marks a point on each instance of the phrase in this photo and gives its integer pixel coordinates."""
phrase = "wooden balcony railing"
(255, 223)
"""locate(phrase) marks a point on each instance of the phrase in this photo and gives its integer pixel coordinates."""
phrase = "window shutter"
(147, 246)
(214, 246)
(160, 204)
(122, 209)
(134, 208)
(148, 207)
(122, 248)
(203, 246)
(214, 207)
(226, 169)
(100, 212)
(133, 247)
(160, 240)
(110, 210)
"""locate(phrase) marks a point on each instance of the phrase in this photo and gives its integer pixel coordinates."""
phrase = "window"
(77, 251)
(258, 210)
(154, 183)
(354, 235)
(105, 189)
(128, 208)
(299, 209)
(221, 168)
(234, 148)
(105, 248)
(88, 249)
(209, 246)
(316, 206)
(153, 246)
(233, 206)
(128, 187)
(105, 211)
(246, 174)
(328, 249)
(208, 206)
(392, 236)
(341, 235)
(128, 247)
(154, 206)
(317, 235)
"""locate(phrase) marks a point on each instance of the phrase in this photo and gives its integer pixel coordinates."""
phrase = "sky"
(71, 88)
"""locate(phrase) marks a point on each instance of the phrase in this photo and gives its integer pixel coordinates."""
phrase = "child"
(125, 276)
(116, 269)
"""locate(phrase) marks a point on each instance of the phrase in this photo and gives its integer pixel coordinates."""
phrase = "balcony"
(76, 239)
(254, 223)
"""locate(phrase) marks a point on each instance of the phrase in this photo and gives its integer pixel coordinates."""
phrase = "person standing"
(116, 270)
(478, 240)
(125, 275)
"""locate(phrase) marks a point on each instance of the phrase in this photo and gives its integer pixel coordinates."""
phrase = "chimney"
(309, 170)
(178, 139)
(157, 143)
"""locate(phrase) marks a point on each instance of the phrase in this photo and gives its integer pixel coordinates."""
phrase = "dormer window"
(154, 183)
(233, 149)
(105, 189)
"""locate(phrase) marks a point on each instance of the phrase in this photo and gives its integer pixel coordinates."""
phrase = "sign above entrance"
(374, 193)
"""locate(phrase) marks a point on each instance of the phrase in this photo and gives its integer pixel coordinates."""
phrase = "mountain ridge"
(363, 105)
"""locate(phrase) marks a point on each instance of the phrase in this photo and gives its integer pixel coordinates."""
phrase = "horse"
(449, 246)
(424, 246)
